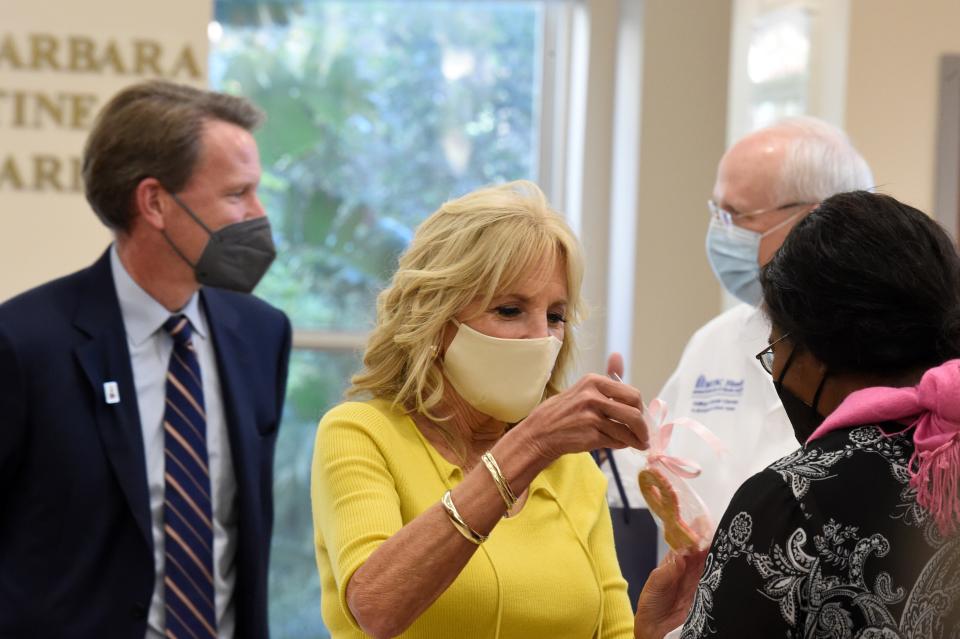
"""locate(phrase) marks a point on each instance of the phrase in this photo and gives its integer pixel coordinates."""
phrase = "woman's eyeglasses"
(765, 357)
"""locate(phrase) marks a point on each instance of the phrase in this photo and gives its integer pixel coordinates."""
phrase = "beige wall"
(686, 51)
(59, 63)
(892, 89)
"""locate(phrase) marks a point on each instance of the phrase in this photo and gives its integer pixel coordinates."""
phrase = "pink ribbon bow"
(662, 431)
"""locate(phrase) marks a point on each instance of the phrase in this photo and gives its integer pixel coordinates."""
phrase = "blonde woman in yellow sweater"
(458, 500)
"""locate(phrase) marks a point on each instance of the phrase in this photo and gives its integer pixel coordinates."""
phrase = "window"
(377, 113)
(788, 57)
(778, 62)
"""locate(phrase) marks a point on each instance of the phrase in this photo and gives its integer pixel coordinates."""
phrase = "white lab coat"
(720, 383)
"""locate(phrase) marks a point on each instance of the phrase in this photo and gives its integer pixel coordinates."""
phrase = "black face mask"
(804, 418)
(236, 256)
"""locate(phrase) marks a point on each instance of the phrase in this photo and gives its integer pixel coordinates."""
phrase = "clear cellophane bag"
(681, 514)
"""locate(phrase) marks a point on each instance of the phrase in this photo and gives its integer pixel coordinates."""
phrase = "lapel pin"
(111, 392)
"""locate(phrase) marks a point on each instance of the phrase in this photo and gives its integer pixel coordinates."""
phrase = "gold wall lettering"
(83, 54)
(40, 172)
(30, 109)
(38, 109)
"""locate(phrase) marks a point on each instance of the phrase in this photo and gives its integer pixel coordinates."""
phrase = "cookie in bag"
(663, 501)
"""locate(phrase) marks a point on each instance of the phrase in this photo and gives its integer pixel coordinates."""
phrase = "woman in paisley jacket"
(854, 534)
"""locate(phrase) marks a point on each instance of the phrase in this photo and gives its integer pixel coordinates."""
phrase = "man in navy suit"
(140, 397)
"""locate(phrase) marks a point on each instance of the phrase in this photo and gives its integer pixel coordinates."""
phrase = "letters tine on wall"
(30, 109)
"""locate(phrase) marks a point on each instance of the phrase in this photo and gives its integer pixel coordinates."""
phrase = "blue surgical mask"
(733, 255)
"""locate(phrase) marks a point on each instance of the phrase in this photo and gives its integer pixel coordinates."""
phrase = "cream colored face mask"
(503, 378)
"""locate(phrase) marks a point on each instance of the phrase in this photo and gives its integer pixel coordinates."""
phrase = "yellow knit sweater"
(549, 572)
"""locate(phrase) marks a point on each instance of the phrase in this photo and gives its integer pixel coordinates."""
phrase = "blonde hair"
(472, 248)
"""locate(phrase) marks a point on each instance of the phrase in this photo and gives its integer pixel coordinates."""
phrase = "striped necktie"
(187, 521)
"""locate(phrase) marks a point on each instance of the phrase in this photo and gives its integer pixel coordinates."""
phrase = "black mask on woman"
(804, 418)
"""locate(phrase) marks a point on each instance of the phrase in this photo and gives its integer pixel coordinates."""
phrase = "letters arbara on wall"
(23, 55)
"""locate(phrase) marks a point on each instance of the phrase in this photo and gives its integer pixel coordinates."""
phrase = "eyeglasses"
(728, 218)
(765, 357)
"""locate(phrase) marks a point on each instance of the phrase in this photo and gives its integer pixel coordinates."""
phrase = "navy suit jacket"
(76, 550)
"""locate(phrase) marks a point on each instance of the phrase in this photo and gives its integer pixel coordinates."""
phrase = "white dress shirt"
(150, 347)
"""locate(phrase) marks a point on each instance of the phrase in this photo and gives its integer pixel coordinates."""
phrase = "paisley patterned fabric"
(830, 542)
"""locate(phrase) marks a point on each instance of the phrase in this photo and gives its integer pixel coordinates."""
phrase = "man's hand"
(667, 595)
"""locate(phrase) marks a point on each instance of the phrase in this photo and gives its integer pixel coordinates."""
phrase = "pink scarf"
(932, 408)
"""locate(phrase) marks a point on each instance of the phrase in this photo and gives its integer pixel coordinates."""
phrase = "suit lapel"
(104, 358)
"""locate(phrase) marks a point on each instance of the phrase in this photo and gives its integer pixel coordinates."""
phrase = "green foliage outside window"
(377, 113)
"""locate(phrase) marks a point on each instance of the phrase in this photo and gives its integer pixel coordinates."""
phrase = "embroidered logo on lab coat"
(716, 394)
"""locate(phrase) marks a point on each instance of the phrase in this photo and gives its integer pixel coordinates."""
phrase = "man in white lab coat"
(766, 183)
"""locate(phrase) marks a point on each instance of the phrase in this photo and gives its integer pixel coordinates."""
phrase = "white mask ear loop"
(780, 225)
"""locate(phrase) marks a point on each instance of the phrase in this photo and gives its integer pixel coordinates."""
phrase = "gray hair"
(820, 161)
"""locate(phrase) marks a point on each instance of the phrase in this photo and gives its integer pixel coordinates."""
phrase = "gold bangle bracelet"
(502, 486)
(472, 535)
